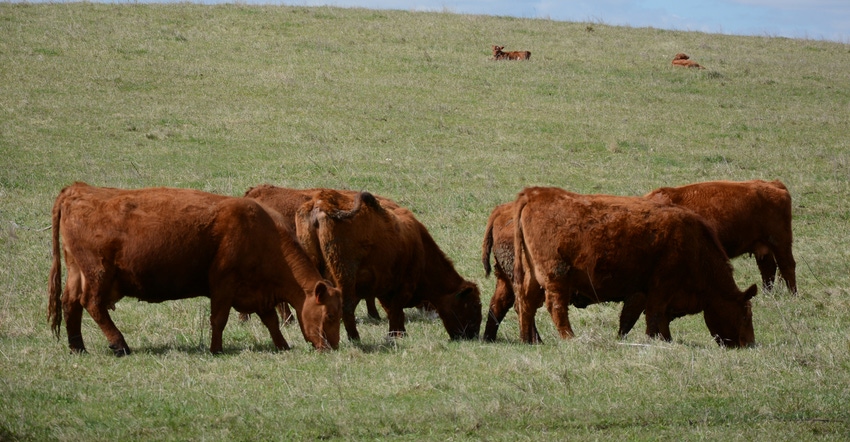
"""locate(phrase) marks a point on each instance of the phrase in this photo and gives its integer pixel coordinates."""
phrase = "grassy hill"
(409, 106)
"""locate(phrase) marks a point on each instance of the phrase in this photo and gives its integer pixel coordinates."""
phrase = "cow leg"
(767, 268)
(657, 323)
(787, 267)
(371, 308)
(633, 306)
(349, 304)
(558, 307)
(99, 312)
(73, 326)
(73, 309)
(219, 313)
(526, 307)
(395, 314)
(501, 302)
(272, 323)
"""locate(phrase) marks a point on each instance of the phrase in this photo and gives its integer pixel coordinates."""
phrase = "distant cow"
(164, 244)
(498, 54)
(615, 247)
(750, 217)
(286, 201)
(684, 60)
(374, 247)
(499, 240)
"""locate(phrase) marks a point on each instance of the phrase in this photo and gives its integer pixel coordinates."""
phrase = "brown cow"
(164, 244)
(750, 217)
(498, 54)
(375, 247)
(286, 201)
(499, 240)
(683, 60)
(614, 247)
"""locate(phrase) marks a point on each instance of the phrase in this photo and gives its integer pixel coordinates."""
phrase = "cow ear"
(466, 292)
(751, 292)
(321, 292)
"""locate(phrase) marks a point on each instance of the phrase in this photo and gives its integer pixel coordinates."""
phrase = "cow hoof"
(120, 351)
(396, 334)
(78, 351)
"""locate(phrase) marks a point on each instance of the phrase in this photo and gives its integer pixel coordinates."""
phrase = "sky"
(812, 19)
(809, 19)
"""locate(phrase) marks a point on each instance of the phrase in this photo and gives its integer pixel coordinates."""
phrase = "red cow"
(684, 61)
(374, 247)
(498, 54)
(499, 240)
(750, 217)
(614, 247)
(165, 244)
(286, 202)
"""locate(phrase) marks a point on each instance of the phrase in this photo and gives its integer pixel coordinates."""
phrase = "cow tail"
(54, 283)
(487, 245)
(519, 243)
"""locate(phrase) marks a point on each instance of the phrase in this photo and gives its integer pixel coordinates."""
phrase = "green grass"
(408, 105)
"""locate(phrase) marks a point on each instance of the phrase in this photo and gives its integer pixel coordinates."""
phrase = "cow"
(498, 54)
(162, 244)
(499, 240)
(375, 247)
(614, 247)
(751, 217)
(286, 201)
(683, 60)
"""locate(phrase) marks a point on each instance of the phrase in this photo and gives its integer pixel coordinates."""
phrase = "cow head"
(461, 312)
(320, 316)
(730, 321)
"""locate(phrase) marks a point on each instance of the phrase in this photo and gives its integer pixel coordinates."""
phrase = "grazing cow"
(286, 201)
(374, 247)
(614, 247)
(750, 217)
(499, 240)
(498, 54)
(684, 61)
(165, 244)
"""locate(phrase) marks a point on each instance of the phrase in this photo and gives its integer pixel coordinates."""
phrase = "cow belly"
(164, 282)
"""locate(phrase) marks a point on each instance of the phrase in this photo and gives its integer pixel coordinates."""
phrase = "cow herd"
(665, 254)
(681, 59)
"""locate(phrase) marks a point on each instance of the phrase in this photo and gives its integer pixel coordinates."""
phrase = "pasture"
(409, 106)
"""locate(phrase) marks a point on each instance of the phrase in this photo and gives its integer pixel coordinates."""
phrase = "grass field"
(409, 106)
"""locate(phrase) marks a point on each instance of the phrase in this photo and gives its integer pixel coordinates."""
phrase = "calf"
(164, 244)
(374, 247)
(614, 247)
(684, 61)
(498, 54)
(750, 217)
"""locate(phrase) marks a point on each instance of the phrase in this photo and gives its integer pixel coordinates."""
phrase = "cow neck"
(440, 274)
(304, 272)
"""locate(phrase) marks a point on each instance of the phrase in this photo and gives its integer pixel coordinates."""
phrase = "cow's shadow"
(204, 349)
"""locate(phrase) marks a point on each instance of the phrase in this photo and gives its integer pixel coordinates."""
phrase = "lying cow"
(374, 247)
(498, 54)
(286, 201)
(683, 60)
(750, 217)
(499, 240)
(165, 244)
(615, 247)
